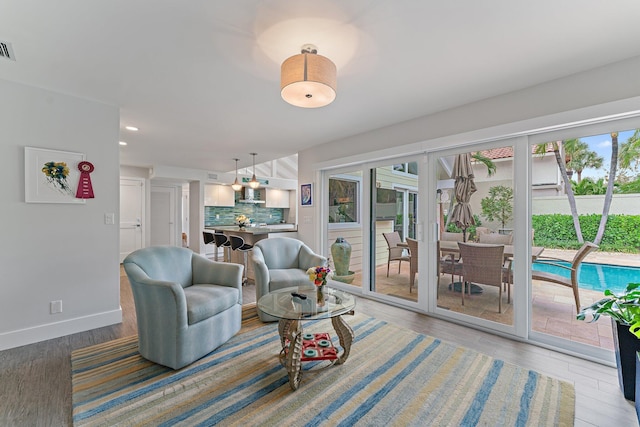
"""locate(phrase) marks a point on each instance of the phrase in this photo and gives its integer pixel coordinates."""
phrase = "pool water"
(597, 277)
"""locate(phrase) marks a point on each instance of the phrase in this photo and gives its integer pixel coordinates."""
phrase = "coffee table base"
(291, 356)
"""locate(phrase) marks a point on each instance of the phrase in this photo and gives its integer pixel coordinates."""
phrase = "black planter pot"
(638, 385)
(626, 345)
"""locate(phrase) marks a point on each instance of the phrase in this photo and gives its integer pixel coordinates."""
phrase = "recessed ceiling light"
(123, 143)
(131, 128)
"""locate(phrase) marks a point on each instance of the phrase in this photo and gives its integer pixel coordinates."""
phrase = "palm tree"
(630, 151)
(541, 149)
(609, 194)
(581, 157)
(588, 187)
(480, 158)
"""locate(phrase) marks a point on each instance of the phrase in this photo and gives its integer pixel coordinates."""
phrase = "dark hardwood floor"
(35, 380)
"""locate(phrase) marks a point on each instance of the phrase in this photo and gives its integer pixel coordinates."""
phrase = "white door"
(163, 216)
(131, 214)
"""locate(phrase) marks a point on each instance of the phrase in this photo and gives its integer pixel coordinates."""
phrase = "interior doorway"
(163, 216)
(132, 210)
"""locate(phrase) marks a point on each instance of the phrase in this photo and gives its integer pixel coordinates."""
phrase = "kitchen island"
(251, 236)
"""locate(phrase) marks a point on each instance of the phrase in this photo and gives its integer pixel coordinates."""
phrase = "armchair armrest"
(308, 259)
(217, 273)
(157, 301)
(260, 272)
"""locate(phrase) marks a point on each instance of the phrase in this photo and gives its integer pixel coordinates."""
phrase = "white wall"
(599, 92)
(57, 251)
(621, 204)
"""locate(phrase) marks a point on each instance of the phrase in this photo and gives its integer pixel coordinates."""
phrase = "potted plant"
(624, 310)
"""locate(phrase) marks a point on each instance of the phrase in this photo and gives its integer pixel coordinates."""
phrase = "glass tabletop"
(284, 305)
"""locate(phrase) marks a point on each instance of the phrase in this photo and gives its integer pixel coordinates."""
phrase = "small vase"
(320, 295)
(241, 226)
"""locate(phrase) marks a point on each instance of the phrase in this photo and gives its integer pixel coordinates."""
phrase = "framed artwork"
(51, 176)
(306, 195)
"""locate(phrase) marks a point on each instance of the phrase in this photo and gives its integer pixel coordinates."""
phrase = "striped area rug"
(392, 377)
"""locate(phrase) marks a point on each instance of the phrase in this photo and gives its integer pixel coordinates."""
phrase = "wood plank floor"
(35, 380)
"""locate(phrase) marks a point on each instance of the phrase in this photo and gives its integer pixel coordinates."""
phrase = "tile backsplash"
(215, 215)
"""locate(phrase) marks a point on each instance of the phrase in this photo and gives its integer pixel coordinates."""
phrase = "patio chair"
(482, 265)
(481, 230)
(413, 261)
(452, 237)
(395, 251)
(496, 238)
(570, 282)
(448, 264)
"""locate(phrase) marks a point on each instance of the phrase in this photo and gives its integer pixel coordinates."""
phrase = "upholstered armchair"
(281, 262)
(186, 305)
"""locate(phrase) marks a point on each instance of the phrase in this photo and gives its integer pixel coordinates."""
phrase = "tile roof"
(507, 152)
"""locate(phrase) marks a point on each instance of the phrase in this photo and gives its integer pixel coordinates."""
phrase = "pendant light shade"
(308, 80)
(236, 185)
(254, 183)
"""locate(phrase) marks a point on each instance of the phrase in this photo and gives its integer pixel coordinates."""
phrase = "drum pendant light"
(308, 80)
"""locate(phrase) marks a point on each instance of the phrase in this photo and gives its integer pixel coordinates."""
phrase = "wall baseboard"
(49, 331)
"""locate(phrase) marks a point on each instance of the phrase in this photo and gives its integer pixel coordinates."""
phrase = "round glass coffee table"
(296, 304)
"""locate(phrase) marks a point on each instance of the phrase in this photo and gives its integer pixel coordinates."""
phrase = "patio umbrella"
(463, 188)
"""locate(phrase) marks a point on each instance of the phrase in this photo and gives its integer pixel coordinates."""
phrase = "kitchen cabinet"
(277, 198)
(218, 195)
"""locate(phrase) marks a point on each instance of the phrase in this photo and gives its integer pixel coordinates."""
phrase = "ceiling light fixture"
(308, 80)
(131, 128)
(123, 143)
(236, 185)
(254, 183)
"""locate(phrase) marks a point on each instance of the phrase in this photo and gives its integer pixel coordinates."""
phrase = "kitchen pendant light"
(236, 185)
(254, 183)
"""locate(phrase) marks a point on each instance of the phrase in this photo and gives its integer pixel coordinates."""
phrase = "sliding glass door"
(474, 203)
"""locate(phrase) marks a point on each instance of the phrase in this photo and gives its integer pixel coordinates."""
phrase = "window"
(343, 200)
(410, 168)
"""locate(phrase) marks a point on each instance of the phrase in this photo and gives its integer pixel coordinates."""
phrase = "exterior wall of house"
(55, 251)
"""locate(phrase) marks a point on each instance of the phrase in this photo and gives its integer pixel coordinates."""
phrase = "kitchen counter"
(275, 228)
(253, 235)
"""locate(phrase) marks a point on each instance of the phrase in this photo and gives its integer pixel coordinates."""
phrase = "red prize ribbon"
(85, 190)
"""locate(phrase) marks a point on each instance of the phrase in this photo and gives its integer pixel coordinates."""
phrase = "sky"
(601, 144)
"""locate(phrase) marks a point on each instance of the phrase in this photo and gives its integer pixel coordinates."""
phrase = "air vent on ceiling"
(213, 176)
(6, 51)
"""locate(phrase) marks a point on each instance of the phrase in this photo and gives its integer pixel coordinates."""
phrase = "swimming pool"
(597, 277)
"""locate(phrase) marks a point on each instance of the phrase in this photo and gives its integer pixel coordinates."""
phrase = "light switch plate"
(109, 218)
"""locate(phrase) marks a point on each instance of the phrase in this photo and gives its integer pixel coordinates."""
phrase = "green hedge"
(556, 231)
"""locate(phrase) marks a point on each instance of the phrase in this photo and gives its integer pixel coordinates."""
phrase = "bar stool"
(208, 239)
(238, 244)
(223, 242)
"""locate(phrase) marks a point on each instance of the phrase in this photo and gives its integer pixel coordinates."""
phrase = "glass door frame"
(522, 247)
(366, 224)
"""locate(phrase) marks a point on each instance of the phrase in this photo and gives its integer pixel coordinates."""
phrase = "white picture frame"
(58, 183)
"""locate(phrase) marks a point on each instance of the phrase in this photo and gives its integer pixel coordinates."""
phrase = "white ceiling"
(200, 78)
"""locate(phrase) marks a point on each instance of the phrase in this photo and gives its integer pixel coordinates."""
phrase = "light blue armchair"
(281, 262)
(186, 305)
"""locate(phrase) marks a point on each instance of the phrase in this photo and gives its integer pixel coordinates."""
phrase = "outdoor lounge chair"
(570, 282)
